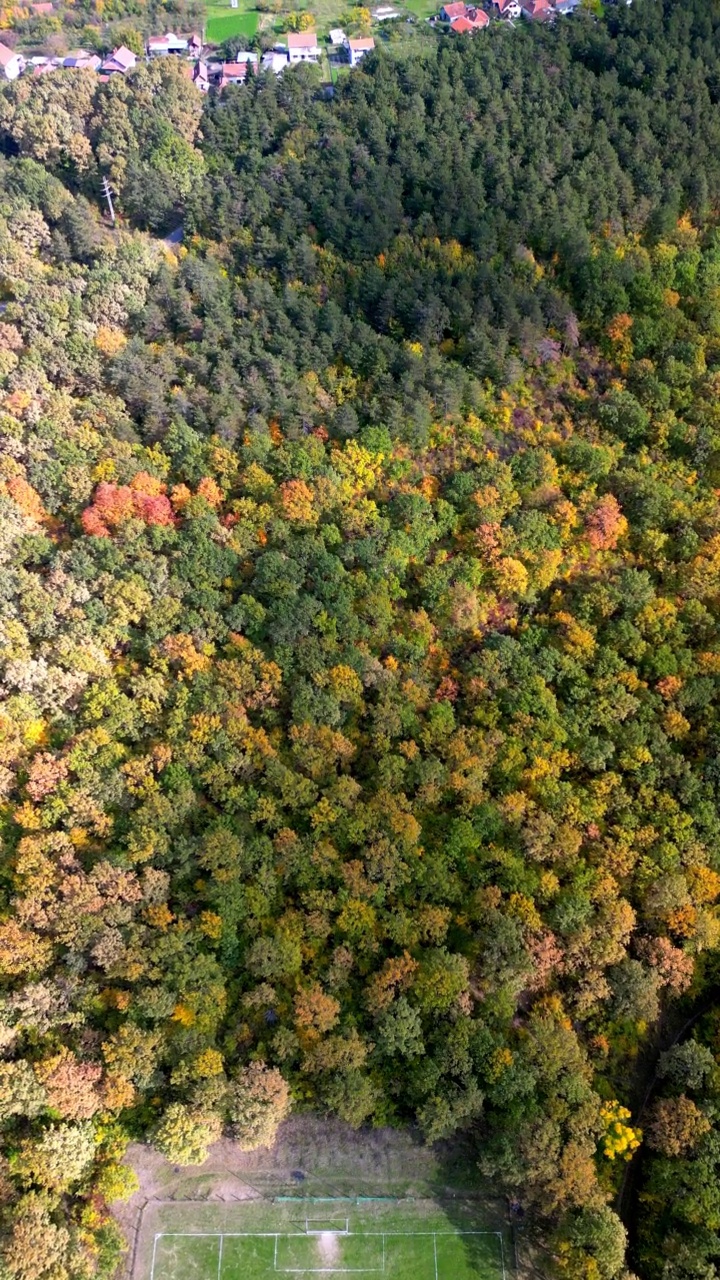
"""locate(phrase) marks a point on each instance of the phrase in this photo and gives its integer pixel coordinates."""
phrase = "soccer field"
(397, 1242)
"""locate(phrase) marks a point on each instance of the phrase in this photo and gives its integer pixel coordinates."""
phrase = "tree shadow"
(486, 1222)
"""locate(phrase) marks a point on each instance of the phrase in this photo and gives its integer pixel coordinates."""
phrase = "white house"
(303, 46)
(508, 8)
(337, 37)
(11, 64)
(161, 46)
(274, 60)
(357, 47)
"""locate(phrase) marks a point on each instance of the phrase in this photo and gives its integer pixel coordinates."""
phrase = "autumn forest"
(360, 628)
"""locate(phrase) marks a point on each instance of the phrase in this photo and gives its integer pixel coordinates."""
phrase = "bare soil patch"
(328, 1248)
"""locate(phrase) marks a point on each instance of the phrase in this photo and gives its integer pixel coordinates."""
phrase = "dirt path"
(627, 1195)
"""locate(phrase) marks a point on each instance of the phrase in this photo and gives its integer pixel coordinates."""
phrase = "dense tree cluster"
(360, 622)
(679, 1222)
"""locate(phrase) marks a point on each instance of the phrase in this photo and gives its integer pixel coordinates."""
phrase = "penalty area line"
(152, 1265)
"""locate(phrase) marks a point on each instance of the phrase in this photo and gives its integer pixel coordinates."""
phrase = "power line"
(107, 192)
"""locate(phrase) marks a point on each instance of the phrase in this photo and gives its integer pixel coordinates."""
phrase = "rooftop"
(301, 40)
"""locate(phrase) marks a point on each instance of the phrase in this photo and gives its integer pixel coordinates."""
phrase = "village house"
(540, 10)
(81, 60)
(200, 77)
(454, 10)
(337, 37)
(233, 73)
(40, 66)
(567, 6)
(161, 46)
(120, 62)
(12, 64)
(464, 18)
(357, 47)
(274, 60)
(302, 46)
(508, 8)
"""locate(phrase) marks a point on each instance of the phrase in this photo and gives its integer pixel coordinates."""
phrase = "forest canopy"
(360, 625)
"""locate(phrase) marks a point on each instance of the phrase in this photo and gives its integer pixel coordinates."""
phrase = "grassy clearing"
(423, 8)
(223, 23)
(413, 37)
(399, 1240)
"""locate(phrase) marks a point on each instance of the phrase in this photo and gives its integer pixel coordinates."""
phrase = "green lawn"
(223, 23)
(423, 8)
(397, 1240)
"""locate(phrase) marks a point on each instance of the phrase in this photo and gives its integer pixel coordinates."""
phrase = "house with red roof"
(357, 47)
(508, 8)
(464, 18)
(233, 73)
(302, 46)
(540, 10)
(120, 62)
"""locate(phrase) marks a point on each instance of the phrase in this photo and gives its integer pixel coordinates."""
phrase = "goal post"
(321, 1226)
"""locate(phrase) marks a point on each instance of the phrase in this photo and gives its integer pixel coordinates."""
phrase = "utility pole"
(107, 192)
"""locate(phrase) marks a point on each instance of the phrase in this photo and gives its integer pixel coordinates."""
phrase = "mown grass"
(223, 23)
(404, 1241)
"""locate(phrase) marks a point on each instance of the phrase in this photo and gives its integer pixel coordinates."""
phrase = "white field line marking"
(299, 1235)
(310, 1230)
(152, 1268)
